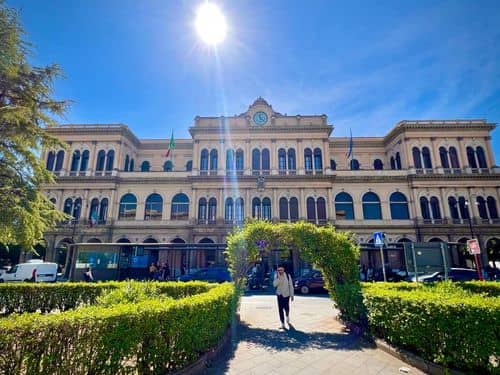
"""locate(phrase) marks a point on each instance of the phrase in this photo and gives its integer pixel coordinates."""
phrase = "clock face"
(260, 118)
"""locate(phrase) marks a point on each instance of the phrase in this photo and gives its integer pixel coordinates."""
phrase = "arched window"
(424, 207)
(213, 160)
(256, 208)
(229, 213)
(308, 163)
(53, 200)
(398, 161)
(75, 161)
(204, 160)
(266, 209)
(128, 207)
(103, 210)
(393, 163)
(230, 160)
(68, 206)
(212, 210)
(344, 208)
(294, 209)
(311, 210)
(435, 210)
(266, 165)
(321, 209)
(189, 166)
(180, 207)
(51, 157)
(167, 166)
(399, 206)
(239, 213)
(492, 207)
(481, 158)
(282, 159)
(426, 155)
(77, 208)
(283, 209)
(416, 158)
(94, 210)
(454, 158)
(127, 163)
(378, 165)
(131, 169)
(435, 239)
(85, 160)
(101, 157)
(292, 165)
(452, 204)
(145, 166)
(354, 165)
(256, 159)
(110, 160)
(443, 155)
(202, 210)
(153, 207)
(371, 207)
(318, 160)
(463, 207)
(239, 160)
(471, 157)
(333, 165)
(59, 161)
(481, 206)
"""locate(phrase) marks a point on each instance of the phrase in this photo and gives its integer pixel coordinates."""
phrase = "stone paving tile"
(316, 343)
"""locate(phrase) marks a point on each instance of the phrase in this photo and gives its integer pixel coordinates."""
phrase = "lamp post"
(476, 256)
(71, 249)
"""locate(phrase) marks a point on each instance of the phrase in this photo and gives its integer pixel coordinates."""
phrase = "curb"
(414, 360)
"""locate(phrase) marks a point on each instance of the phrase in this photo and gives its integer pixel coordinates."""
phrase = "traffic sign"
(378, 238)
(473, 246)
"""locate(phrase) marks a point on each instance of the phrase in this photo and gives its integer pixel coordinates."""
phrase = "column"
(85, 205)
(489, 152)
(404, 145)
(435, 160)
(386, 213)
(444, 204)
(473, 209)
(413, 203)
(274, 163)
(112, 205)
(222, 205)
(68, 154)
(300, 157)
(139, 215)
(92, 156)
(196, 157)
(326, 156)
(118, 164)
(248, 204)
(302, 205)
(464, 162)
(330, 204)
(247, 159)
(275, 208)
(221, 162)
(192, 206)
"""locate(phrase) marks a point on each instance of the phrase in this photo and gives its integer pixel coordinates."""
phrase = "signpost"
(475, 249)
(378, 238)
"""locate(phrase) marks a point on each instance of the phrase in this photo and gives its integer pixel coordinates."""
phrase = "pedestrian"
(87, 275)
(284, 291)
(152, 271)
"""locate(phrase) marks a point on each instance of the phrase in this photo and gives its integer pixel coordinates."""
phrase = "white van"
(32, 271)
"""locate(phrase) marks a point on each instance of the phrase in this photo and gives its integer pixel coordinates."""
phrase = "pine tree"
(26, 110)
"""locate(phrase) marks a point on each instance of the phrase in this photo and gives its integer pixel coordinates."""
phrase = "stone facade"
(415, 183)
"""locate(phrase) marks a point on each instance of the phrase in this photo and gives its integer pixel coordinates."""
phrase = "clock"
(260, 118)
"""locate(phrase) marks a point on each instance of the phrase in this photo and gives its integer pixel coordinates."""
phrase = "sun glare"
(210, 24)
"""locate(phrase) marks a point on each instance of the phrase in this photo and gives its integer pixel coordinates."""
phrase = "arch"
(492, 207)
(333, 165)
(292, 165)
(424, 208)
(212, 210)
(110, 160)
(94, 240)
(127, 163)
(344, 207)
(59, 161)
(436, 239)
(68, 206)
(311, 209)
(128, 207)
(266, 163)
(77, 208)
(94, 211)
(103, 210)
(213, 159)
(417, 161)
(452, 204)
(153, 207)
(493, 249)
(294, 209)
(51, 157)
(230, 162)
(393, 163)
(463, 207)
(145, 166)
(443, 155)
(283, 208)
(354, 165)
(239, 210)
(282, 159)
(481, 206)
(471, 158)
(398, 161)
(399, 206)
(85, 160)
(371, 207)
(123, 240)
(189, 166)
(256, 159)
(204, 160)
(378, 165)
(53, 200)
(426, 156)
(239, 160)
(318, 159)
(202, 209)
(308, 161)
(180, 207)
(229, 210)
(321, 209)
(75, 161)
(256, 208)
(404, 239)
(266, 208)
(435, 209)
(206, 240)
(131, 168)
(101, 157)
(168, 166)
(150, 240)
(454, 157)
(481, 158)
(177, 240)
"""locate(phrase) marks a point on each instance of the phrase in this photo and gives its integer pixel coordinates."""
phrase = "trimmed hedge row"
(441, 322)
(150, 337)
(30, 297)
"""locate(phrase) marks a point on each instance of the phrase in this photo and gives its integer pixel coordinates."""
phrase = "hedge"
(150, 337)
(442, 322)
(31, 297)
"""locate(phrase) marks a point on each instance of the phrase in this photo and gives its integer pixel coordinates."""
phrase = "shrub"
(442, 322)
(149, 337)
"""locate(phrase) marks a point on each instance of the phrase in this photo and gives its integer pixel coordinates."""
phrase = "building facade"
(423, 181)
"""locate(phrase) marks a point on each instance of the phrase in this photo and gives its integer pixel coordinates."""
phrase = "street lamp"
(71, 249)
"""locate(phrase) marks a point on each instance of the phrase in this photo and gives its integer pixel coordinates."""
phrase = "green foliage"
(132, 292)
(153, 336)
(333, 252)
(444, 322)
(26, 108)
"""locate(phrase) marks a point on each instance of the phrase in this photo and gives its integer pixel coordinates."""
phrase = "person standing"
(87, 275)
(284, 291)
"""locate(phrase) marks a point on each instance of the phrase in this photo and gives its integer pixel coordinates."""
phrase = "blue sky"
(366, 64)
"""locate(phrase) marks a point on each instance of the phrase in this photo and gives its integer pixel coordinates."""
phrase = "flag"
(171, 145)
(349, 148)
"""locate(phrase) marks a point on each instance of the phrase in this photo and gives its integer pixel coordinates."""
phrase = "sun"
(210, 24)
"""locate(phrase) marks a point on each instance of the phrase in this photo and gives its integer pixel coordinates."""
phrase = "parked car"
(454, 274)
(312, 280)
(211, 274)
(37, 271)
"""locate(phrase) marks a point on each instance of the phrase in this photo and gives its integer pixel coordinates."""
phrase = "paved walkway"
(315, 343)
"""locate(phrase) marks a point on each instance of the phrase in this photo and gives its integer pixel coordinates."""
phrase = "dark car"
(312, 280)
(454, 274)
(212, 275)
